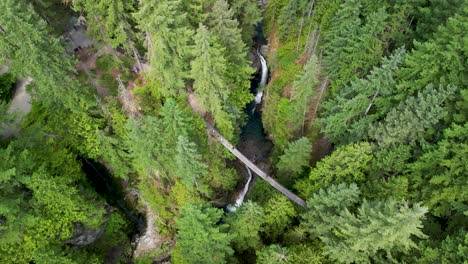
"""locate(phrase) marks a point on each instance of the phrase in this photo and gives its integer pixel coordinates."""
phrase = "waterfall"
(263, 80)
(257, 100)
(240, 198)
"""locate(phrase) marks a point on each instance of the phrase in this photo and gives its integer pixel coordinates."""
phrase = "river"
(253, 142)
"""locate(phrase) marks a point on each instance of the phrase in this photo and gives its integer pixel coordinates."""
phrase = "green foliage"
(325, 205)
(245, 225)
(306, 254)
(167, 37)
(32, 52)
(411, 106)
(210, 84)
(108, 21)
(355, 46)
(6, 86)
(40, 201)
(431, 12)
(199, 239)
(288, 17)
(278, 111)
(189, 165)
(225, 28)
(273, 254)
(446, 64)
(247, 13)
(107, 62)
(439, 177)
(296, 156)
(453, 249)
(196, 11)
(350, 113)
(304, 88)
(347, 164)
(410, 121)
(378, 230)
(279, 213)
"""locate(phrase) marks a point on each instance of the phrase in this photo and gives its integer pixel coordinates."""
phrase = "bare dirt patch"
(87, 59)
(273, 42)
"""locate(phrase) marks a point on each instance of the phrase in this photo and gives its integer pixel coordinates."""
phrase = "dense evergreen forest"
(105, 155)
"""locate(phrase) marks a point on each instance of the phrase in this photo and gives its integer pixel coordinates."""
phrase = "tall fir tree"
(199, 239)
(224, 26)
(296, 156)
(348, 164)
(167, 36)
(210, 84)
(247, 13)
(190, 167)
(349, 114)
(355, 46)
(378, 231)
(304, 88)
(440, 176)
(109, 21)
(245, 225)
(410, 121)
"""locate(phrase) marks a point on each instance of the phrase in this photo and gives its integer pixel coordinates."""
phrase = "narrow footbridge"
(253, 167)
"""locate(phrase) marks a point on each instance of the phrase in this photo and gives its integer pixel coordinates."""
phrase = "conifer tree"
(432, 12)
(440, 176)
(325, 205)
(279, 213)
(199, 239)
(453, 249)
(41, 202)
(350, 113)
(354, 47)
(304, 88)
(295, 157)
(190, 166)
(378, 229)
(289, 16)
(247, 13)
(273, 254)
(446, 63)
(167, 36)
(347, 164)
(141, 145)
(175, 121)
(411, 119)
(245, 225)
(109, 21)
(196, 11)
(26, 43)
(208, 72)
(225, 28)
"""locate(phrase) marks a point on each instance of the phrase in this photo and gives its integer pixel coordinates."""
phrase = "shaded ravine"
(253, 142)
(115, 195)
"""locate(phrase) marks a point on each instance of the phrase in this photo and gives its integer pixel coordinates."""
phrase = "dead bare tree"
(126, 99)
(371, 103)
(301, 24)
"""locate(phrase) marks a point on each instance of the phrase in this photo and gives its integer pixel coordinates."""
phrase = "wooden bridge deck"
(254, 168)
